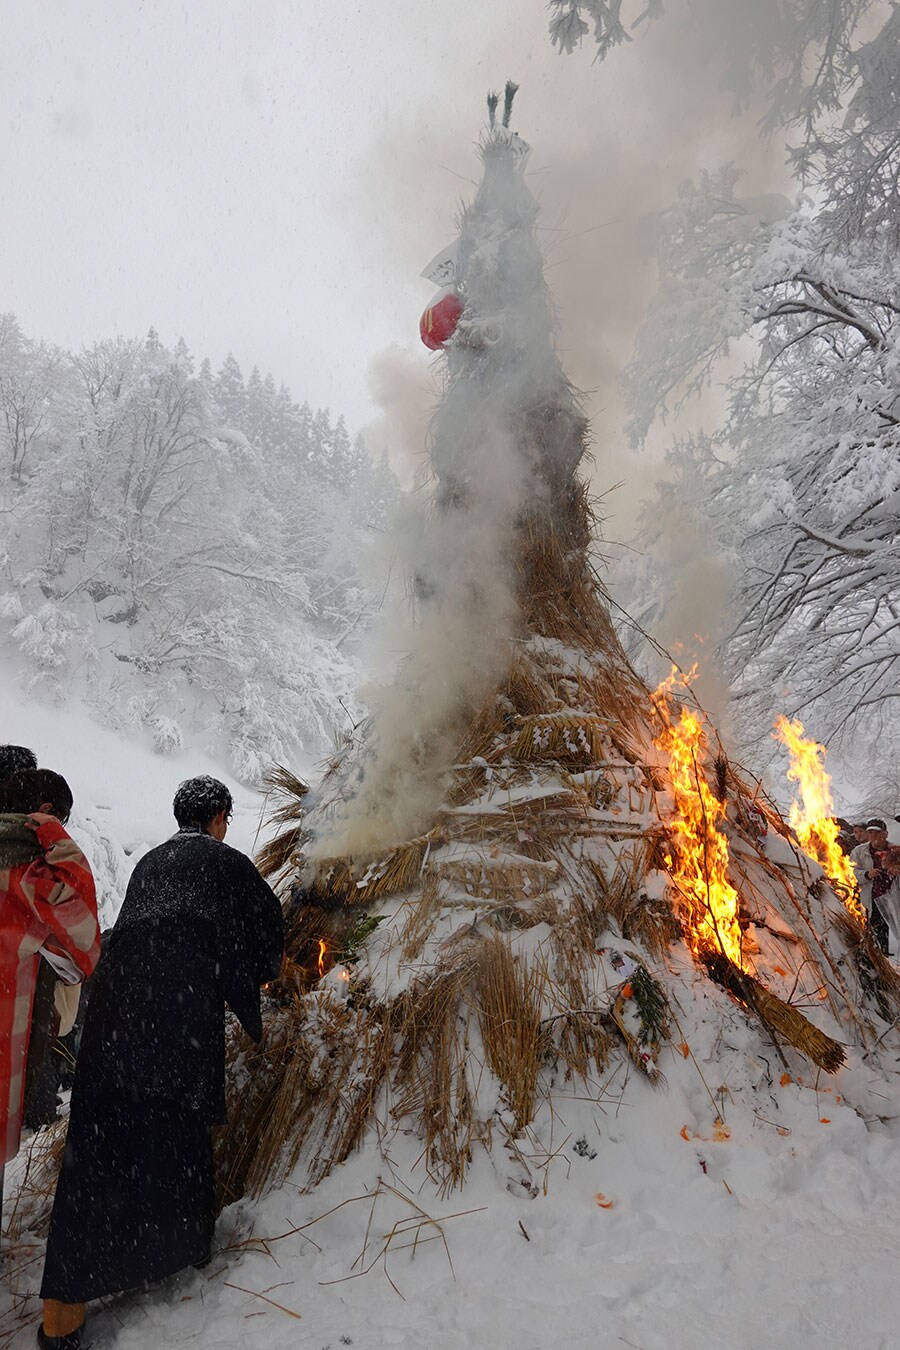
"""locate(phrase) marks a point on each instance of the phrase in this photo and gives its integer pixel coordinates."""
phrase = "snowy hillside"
(123, 789)
(190, 555)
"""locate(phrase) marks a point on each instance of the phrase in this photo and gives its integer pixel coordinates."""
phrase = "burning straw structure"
(503, 885)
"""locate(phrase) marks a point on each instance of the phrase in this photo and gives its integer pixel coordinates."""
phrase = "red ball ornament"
(438, 324)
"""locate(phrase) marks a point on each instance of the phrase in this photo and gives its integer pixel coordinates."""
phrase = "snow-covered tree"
(29, 396)
(228, 390)
(804, 53)
(178, 560)
(797, 310)
(800, 481)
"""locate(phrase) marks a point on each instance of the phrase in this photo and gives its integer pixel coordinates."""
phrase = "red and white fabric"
(51, 904)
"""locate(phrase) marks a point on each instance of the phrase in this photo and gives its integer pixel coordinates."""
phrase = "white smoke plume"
(695, 612)
(450, 648)
(402, 388)
(611, 143)
(435, 661)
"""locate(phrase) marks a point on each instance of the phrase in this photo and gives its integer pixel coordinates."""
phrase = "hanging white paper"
(442, 268)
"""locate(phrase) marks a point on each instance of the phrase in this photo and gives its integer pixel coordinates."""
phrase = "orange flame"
(700, 865)
(322, 950)
(812, 817)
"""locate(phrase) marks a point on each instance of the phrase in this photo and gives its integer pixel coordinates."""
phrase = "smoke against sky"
(273, 181)
(611, 144)
(275, 187)
(491, 470)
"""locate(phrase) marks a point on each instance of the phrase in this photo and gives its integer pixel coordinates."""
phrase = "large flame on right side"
(699, 864)
(812, 818)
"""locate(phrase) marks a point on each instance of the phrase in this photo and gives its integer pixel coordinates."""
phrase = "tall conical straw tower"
(528, 872)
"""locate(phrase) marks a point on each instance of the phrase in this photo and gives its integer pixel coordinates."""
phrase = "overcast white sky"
(271, 175)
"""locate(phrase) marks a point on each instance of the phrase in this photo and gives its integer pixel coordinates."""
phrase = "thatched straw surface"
(362, 881)
(510, 999)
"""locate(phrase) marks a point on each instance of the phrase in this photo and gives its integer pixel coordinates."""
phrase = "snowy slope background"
(192, 556)
(123, 789)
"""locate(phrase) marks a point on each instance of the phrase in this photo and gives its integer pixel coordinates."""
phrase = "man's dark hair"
(33, 788)
(199, 800)
(15, 759)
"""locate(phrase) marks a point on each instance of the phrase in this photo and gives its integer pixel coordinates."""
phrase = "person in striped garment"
(48, 908)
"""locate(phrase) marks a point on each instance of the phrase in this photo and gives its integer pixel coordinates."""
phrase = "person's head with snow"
(203, 805)
(15, 759)
(38, 791)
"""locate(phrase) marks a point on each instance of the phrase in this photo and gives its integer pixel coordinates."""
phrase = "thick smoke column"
(504, 443)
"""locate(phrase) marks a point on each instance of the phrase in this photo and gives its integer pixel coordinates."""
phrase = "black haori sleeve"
(250, 938)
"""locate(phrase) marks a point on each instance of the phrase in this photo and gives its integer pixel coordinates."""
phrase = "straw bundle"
(488, 879)
(310, 1088)
(563, 735)
(281, 782)
(362, 882)
(486, 726)
(421, 917)
(509, 996)
(310, 1084)
(595, 790)
(879, 980)
(580, 1038)
(278, 855)
(254, 1074)
(652, 923)
(777, 1015)
(497, 828)
(531, 690)
(431, 1079)
(558, 591)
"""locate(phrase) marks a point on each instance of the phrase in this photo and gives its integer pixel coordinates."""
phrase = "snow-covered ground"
(624, 1221)
(782, 1236)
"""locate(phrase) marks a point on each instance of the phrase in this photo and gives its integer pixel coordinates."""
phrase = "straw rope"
(564, 735)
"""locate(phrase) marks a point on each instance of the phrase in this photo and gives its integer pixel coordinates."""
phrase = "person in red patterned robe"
(48, 909)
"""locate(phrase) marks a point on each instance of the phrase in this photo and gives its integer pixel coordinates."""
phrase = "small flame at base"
(322, 950)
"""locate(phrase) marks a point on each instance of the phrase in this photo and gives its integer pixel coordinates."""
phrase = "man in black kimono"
(199, 928)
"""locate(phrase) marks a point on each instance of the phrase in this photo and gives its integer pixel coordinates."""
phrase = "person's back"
(191, 936)
(199, 928)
